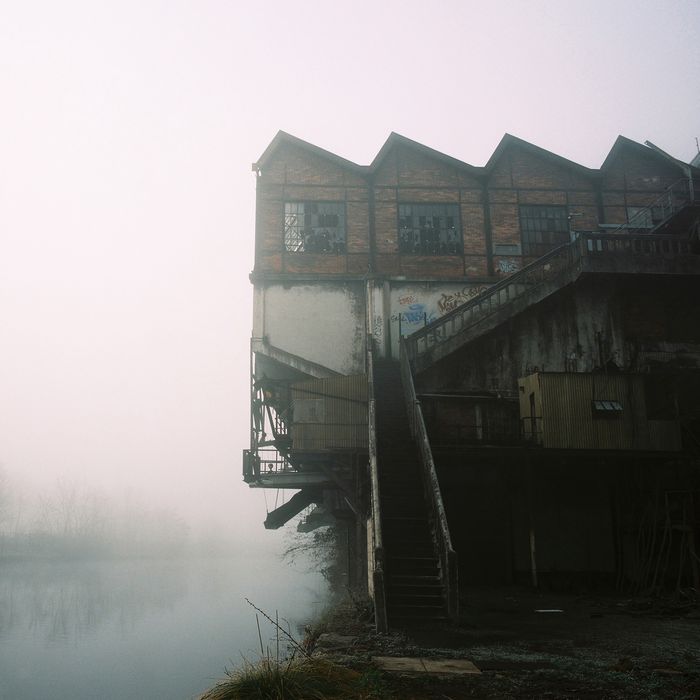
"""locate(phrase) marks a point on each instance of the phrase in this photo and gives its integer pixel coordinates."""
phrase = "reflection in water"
(114, 630)
(62, 602)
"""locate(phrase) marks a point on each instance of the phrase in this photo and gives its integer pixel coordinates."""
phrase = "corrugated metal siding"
(330, 413)
(569, 420)
(564, 400)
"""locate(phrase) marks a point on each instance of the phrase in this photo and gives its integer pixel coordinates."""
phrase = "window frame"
(607, 409)
(338, 246)
(457, 246)
(643, 218)
(537, 248)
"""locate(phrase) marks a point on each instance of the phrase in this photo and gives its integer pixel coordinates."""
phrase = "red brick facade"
(489, 201)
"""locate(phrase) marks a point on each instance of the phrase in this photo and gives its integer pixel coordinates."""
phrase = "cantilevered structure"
(483, 373)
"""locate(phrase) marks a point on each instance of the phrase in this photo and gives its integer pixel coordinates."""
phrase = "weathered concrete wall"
(322, 323)
(599, 320)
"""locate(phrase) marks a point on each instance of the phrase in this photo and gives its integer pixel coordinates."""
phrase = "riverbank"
(534, 645)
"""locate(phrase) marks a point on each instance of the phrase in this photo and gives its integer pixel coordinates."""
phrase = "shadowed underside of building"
(480, 374)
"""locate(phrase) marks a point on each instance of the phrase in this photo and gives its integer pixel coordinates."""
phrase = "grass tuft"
(304, 679)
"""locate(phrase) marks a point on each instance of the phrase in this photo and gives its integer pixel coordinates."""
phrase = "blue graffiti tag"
(416, 314)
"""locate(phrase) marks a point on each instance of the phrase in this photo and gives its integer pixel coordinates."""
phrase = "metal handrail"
(649, 244)
(674, 198)
(431, 484)
(380, 615)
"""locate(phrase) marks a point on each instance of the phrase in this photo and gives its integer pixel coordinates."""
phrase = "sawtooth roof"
(508, 141)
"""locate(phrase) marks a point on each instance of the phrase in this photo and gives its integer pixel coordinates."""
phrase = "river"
(141, 629)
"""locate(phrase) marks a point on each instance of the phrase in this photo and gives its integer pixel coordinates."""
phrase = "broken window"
(429, 229)
(543, 228)
(314, 227)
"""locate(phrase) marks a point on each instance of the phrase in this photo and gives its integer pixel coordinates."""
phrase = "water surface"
(143, 629)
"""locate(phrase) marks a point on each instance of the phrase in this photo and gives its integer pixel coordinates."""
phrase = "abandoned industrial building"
(480, 374)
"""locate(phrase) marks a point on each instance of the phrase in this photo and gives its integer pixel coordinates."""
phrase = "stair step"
(399, 532)
(387, 493)
(419, 530)
(403, 504)
(401, 481)
(416, 561)
(405, 474)
(411, 599)
(397, 537)
(405, 550)
(392, 511)
(416, 588)
(406, 524)
(415, 580)
(416, 566)
(401, 589)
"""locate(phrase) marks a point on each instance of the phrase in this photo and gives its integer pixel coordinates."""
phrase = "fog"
(127, 131)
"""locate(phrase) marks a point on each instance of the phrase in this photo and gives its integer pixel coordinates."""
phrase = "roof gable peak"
(395, 139)
(282, 138)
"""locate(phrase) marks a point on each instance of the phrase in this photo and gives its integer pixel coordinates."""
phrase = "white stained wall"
(322, 323)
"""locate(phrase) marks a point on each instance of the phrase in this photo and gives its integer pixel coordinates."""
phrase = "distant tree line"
(72, 520)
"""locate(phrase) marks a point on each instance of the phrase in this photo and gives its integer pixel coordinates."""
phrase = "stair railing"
(431, 486)
(563, 259)
(492, 299)
(378, 582)
(654, 215)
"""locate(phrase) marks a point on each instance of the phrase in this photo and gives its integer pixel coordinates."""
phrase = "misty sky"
(127, 131)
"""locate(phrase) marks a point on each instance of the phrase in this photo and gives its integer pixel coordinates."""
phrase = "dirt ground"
(539, 645)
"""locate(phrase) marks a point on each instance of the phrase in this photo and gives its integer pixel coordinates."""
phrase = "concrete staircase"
(414, 588)
(590, 253)
(665, 249)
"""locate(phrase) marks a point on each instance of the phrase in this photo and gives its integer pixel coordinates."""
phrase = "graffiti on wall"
(507, 266)
(414, 311)
(448, 302)
(415, 314)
